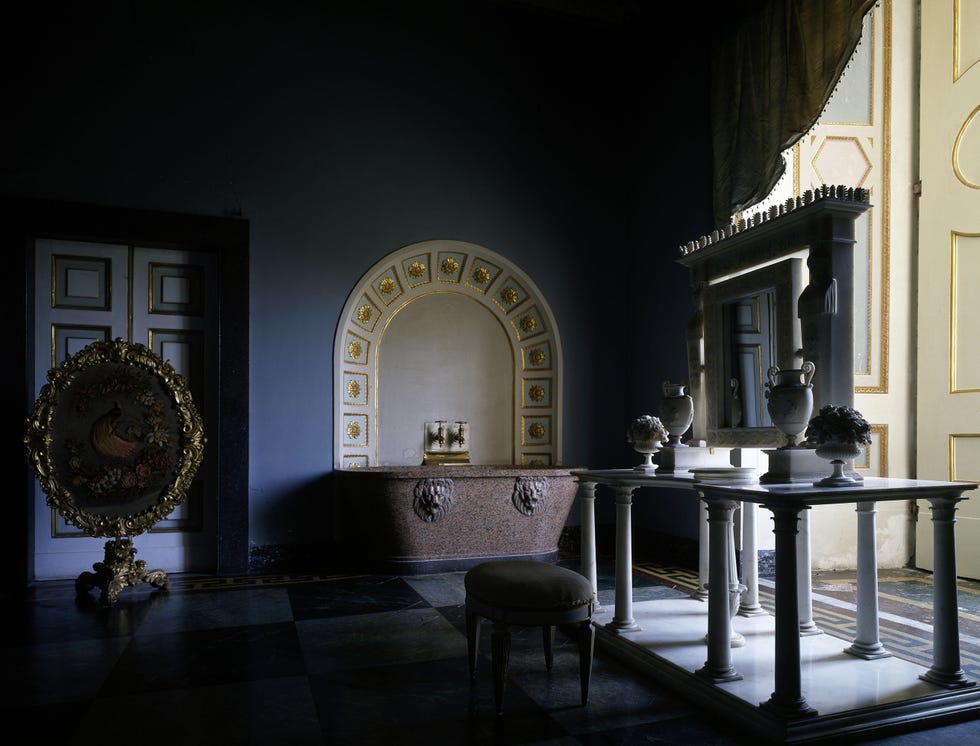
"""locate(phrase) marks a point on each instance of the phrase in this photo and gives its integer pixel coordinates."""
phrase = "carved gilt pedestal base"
(120, 569)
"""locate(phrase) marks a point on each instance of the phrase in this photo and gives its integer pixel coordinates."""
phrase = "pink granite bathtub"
(414, 520)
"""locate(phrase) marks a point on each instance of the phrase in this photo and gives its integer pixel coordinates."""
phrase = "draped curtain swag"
(771, 79)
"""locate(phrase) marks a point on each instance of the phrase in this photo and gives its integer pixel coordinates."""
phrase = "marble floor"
(368, 659)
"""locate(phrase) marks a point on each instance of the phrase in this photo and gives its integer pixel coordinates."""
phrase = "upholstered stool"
(528, 594)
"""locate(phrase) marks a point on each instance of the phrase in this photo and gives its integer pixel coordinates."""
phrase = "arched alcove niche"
(446, 330)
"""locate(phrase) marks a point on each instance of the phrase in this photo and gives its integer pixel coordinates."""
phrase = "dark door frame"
(22, 220)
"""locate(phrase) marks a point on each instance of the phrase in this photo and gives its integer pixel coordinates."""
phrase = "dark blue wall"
(578, 148)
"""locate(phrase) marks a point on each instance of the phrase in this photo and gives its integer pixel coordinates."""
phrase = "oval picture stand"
(115, 442)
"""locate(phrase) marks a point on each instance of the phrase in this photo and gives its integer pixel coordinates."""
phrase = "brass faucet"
(460, 437)
(441, 433)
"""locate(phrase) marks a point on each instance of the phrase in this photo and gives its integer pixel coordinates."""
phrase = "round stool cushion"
(528, 585)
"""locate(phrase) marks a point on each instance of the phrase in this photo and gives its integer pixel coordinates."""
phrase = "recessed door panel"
(166, 300)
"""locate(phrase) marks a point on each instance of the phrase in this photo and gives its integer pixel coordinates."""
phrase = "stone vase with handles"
(790, 400)
(676, 412)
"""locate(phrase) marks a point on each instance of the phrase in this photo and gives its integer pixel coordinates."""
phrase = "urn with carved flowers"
(838, 433)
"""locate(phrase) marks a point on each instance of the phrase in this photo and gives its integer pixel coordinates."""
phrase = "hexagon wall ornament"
(841, 160)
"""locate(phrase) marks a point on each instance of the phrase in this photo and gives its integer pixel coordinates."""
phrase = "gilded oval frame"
(115, 439)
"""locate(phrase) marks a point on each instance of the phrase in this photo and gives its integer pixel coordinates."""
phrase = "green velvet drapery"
(771, 78)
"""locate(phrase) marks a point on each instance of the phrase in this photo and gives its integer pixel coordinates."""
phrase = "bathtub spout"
(444, 445)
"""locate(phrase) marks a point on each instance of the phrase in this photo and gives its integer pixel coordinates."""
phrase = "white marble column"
(804, 580)
(623, 620)
(787, 700)
(945, 670)
(866, 643)
(735, 587)
(701, 593)
(750, 605)
(718, 667)
(586, 493)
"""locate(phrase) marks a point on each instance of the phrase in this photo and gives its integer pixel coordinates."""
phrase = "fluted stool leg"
(472, 640)
(500, 647)
(586, 648)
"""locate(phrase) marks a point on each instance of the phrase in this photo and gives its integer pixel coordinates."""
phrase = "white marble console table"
(623, 483)
(786, 502)
(932, 694)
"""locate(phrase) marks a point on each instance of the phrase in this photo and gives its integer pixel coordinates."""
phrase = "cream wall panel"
(833, 536)
(964, 450)
(965, 310)
(966, 36)
(948, 400)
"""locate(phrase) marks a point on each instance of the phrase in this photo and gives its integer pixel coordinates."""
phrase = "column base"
(738, 640)
(716, 676)
(750, 611)
(955, 680)
(809, 628)
(797, 708)
(622, 626)
(868, 652)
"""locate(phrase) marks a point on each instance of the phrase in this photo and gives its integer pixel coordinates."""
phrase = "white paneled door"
(948, 386)
(166, 300)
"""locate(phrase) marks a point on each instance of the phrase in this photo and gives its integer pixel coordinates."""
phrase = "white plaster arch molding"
(469, 293)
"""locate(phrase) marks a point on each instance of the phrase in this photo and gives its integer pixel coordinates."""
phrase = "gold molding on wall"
(954, 321)
(958, 26)
(953, 437)
(884, 205)
(972, 118)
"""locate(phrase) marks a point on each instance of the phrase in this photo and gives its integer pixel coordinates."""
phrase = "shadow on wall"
(314, 506)
(445, 357)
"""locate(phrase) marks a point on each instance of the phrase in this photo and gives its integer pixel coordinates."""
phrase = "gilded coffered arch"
(430, 277)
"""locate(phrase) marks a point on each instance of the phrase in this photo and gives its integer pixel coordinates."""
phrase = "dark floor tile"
(370, 660)
(557, 691)
(384, 638)
(440, 589)
(432, 702)
(206, 657)
(64, 616)
(52, 723)
(618, 696)
(58, 672)
(276, 711)
(359, 595)
(684, 729)
(178, 612)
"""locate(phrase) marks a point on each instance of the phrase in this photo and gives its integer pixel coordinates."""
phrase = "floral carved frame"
(115, 439)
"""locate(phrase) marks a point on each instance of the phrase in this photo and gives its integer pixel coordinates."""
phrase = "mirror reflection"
(750, 350)
(750, 325)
